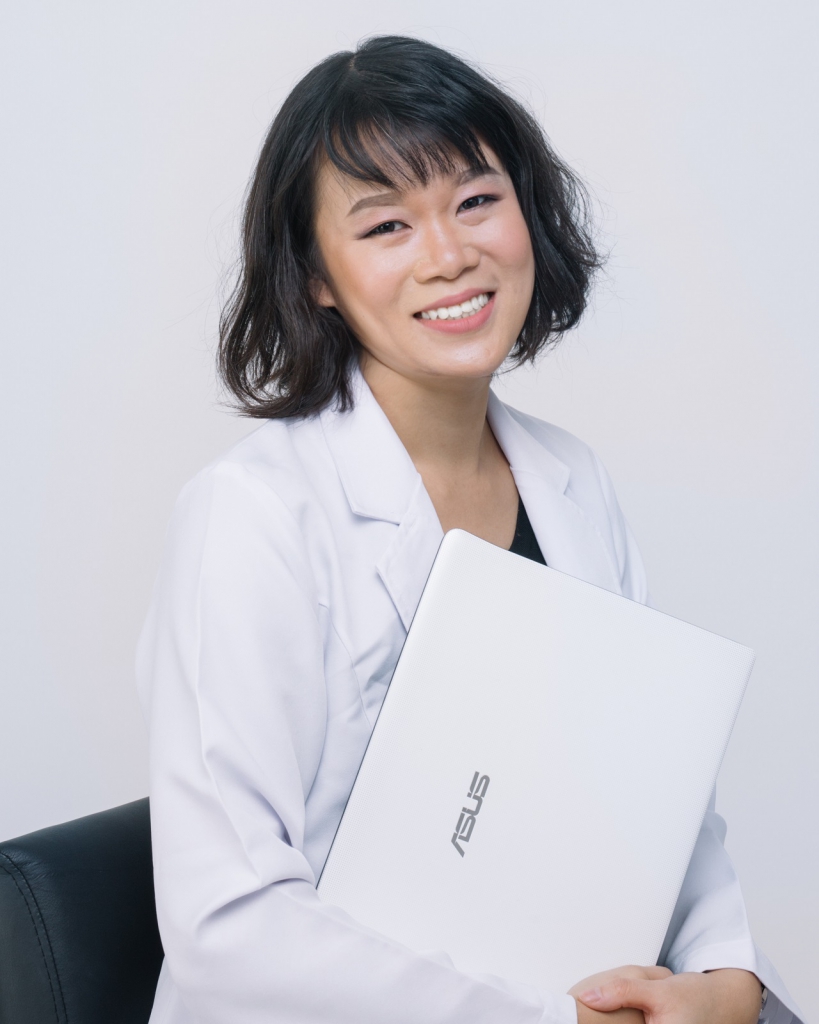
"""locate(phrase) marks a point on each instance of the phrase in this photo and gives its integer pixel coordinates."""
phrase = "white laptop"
(535, 783)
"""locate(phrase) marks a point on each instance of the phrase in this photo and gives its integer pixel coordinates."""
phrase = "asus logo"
(466, 822)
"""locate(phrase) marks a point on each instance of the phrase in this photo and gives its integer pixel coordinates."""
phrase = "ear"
(322, 293)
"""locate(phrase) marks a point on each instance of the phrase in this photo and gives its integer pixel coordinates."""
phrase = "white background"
(132, 129)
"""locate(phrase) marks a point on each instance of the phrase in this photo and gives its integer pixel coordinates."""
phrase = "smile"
(460, 312)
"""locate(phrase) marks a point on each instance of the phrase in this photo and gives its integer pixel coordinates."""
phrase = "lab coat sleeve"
(709, 928)
(231, 674)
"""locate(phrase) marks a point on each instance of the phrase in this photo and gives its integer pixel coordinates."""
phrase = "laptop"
(538, 774)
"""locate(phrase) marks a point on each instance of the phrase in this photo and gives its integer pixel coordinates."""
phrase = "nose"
(444, 253)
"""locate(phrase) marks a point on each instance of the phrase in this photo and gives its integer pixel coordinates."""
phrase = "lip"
(456, 300)
(464, 324)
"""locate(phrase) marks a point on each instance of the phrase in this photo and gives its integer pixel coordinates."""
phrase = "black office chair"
(78, 936)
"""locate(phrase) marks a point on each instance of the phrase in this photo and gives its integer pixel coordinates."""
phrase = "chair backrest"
(79, 942)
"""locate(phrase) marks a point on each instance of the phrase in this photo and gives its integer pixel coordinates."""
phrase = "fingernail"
(594, 995)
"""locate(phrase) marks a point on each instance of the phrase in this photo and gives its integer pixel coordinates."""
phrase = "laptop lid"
(538, 774)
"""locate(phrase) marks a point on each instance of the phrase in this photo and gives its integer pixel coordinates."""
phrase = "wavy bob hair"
(396, 111)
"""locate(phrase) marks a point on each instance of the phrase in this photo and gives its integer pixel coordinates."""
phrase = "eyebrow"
(394, 196)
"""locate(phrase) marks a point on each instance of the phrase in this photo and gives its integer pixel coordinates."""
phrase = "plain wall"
(129, 132)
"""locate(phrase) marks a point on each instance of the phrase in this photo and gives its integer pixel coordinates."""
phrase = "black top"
(525, 542)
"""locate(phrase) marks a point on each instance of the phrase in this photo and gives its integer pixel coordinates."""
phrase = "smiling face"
(434, 280)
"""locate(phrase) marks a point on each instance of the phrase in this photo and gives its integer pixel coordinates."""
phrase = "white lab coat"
(292, 571)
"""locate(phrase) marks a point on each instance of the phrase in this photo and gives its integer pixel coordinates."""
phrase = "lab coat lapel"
(570, 542)
(381, 482)
(405, 565)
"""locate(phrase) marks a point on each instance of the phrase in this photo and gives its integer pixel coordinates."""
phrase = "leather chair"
(79, 942)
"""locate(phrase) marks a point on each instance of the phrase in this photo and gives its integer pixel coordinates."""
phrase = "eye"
(475, 201)
(389, 227)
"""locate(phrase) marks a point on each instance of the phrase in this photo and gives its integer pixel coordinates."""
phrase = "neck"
(440, 421)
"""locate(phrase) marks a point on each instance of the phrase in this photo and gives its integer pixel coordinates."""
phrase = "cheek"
(366, 284)
(511, 245)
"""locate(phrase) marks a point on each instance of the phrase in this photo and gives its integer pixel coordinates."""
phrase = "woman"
(408, 231)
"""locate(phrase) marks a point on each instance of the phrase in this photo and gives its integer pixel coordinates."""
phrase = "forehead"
(337, 188)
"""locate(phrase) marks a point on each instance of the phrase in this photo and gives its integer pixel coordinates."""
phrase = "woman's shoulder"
(276, 456)
(264, 487)
(587, 484)
(252, 505)
(567, 447)
(585, 475)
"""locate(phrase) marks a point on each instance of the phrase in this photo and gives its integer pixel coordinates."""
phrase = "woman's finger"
(657, 973)
(627, 971)
(620, 992)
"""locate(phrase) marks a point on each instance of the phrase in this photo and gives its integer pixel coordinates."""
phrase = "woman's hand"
(624, 1015)
(718, 997)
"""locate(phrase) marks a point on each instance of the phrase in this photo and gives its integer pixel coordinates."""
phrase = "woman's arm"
(235, 677)
(709, 929)
(725, 996)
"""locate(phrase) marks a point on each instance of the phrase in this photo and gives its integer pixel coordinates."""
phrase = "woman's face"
(435, 281)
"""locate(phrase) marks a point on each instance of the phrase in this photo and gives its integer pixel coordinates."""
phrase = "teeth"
(468, 308)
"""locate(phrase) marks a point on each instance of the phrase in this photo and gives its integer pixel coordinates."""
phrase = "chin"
(450, 358)
(471, 365)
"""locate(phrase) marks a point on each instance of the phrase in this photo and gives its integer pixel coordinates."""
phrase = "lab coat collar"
(377, 474)
(569, 540)
(381, 482)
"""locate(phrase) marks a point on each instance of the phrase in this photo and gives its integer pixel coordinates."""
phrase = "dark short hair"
(395, 110)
